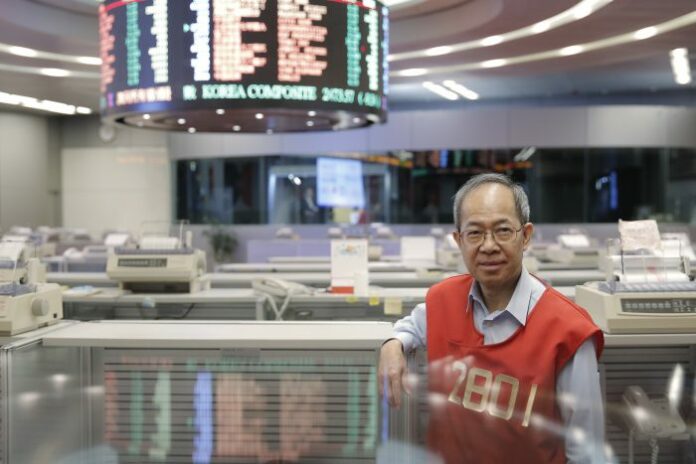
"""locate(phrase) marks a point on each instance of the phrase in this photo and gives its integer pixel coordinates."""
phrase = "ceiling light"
(33, 103)
(579, 10)
(437, 51)
(393, 3)
(236, 128)
(440, 90)
(645, 33)
(494, 63)
(259, 116)
(54, 72)
(572, 50)
(310, 123)
(91, 60)
(540, 27)
(681, 67)
(220, 111)
(83, 110)
(413, 72)
(146, 116)
(191, 130)
(181, 121)
(461, 90)
(23, 51)
(311, 114)
(582, 11)
(492, 40)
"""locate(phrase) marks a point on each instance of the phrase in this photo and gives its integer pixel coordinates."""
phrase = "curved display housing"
(244, 65)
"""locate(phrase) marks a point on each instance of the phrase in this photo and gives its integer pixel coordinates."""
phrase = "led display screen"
(340, 183)
(244, 406)
(200, 63)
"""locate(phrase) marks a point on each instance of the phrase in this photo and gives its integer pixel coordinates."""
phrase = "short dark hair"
(521, 200)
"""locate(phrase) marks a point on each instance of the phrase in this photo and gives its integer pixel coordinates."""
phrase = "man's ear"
(527, 232)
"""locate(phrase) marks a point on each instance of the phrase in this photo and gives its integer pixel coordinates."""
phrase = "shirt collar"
(520, 301)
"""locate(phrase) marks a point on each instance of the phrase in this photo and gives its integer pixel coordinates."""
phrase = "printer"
(160, 264)
(646, 291)
(26, 300)
(576, 250)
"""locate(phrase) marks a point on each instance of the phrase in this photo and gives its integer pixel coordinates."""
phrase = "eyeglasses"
(501, 235)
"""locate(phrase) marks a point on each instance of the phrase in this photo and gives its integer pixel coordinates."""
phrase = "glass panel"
(565, 185)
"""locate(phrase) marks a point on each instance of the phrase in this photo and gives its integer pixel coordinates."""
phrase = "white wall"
(476, 127)
(29, 170)
(115, 188)
(117, 184)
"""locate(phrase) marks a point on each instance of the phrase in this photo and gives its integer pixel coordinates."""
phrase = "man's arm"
(581, 405)
(409, 334)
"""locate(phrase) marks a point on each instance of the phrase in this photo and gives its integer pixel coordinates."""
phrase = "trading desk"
(382, 304)
(561, 278)
(251, 268)
(111, 303)
(185, 391)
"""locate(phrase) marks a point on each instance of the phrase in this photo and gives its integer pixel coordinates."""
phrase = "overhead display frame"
(244, 65)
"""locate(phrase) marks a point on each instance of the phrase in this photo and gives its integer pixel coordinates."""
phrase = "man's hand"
(392, 367)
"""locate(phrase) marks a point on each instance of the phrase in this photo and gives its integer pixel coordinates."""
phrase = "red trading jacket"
(496, 403)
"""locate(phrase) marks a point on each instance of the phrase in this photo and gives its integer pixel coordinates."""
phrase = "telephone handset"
(651, 418)
(278, 288)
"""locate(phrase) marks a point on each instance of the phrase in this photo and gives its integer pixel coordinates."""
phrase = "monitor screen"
(195, 63)
(340, 183)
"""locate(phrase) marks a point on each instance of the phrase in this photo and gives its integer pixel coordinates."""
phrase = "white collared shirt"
(577, 385)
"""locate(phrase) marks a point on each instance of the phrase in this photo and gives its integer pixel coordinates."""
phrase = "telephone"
(278, 288)
(651, 419)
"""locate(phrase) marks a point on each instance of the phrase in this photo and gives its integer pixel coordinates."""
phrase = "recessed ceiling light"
(146, 116)
(681, 67)
(492, 40)
(191, 130)
(23, 51)
(220, 111)
(572, 50)
(582, 11)
(310, 123)
(83, 110)
(461, 90)
(236, 128)
(645, 33)
(33, 103)
(540, 27)
(181, 121)
(440, 90)
(494, 63)
(413, 72)
(311, 114)
(54, 72)
(577, 11)
(437, 51)
(92, 60)
(259, 116)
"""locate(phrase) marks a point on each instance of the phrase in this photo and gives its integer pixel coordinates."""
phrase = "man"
(512, 364)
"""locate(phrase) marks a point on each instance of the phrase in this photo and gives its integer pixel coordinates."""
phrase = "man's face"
(490, 210)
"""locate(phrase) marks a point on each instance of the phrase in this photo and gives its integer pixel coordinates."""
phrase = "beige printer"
(159, 264)
(26, 301)
(645, 292)
(575, 249)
